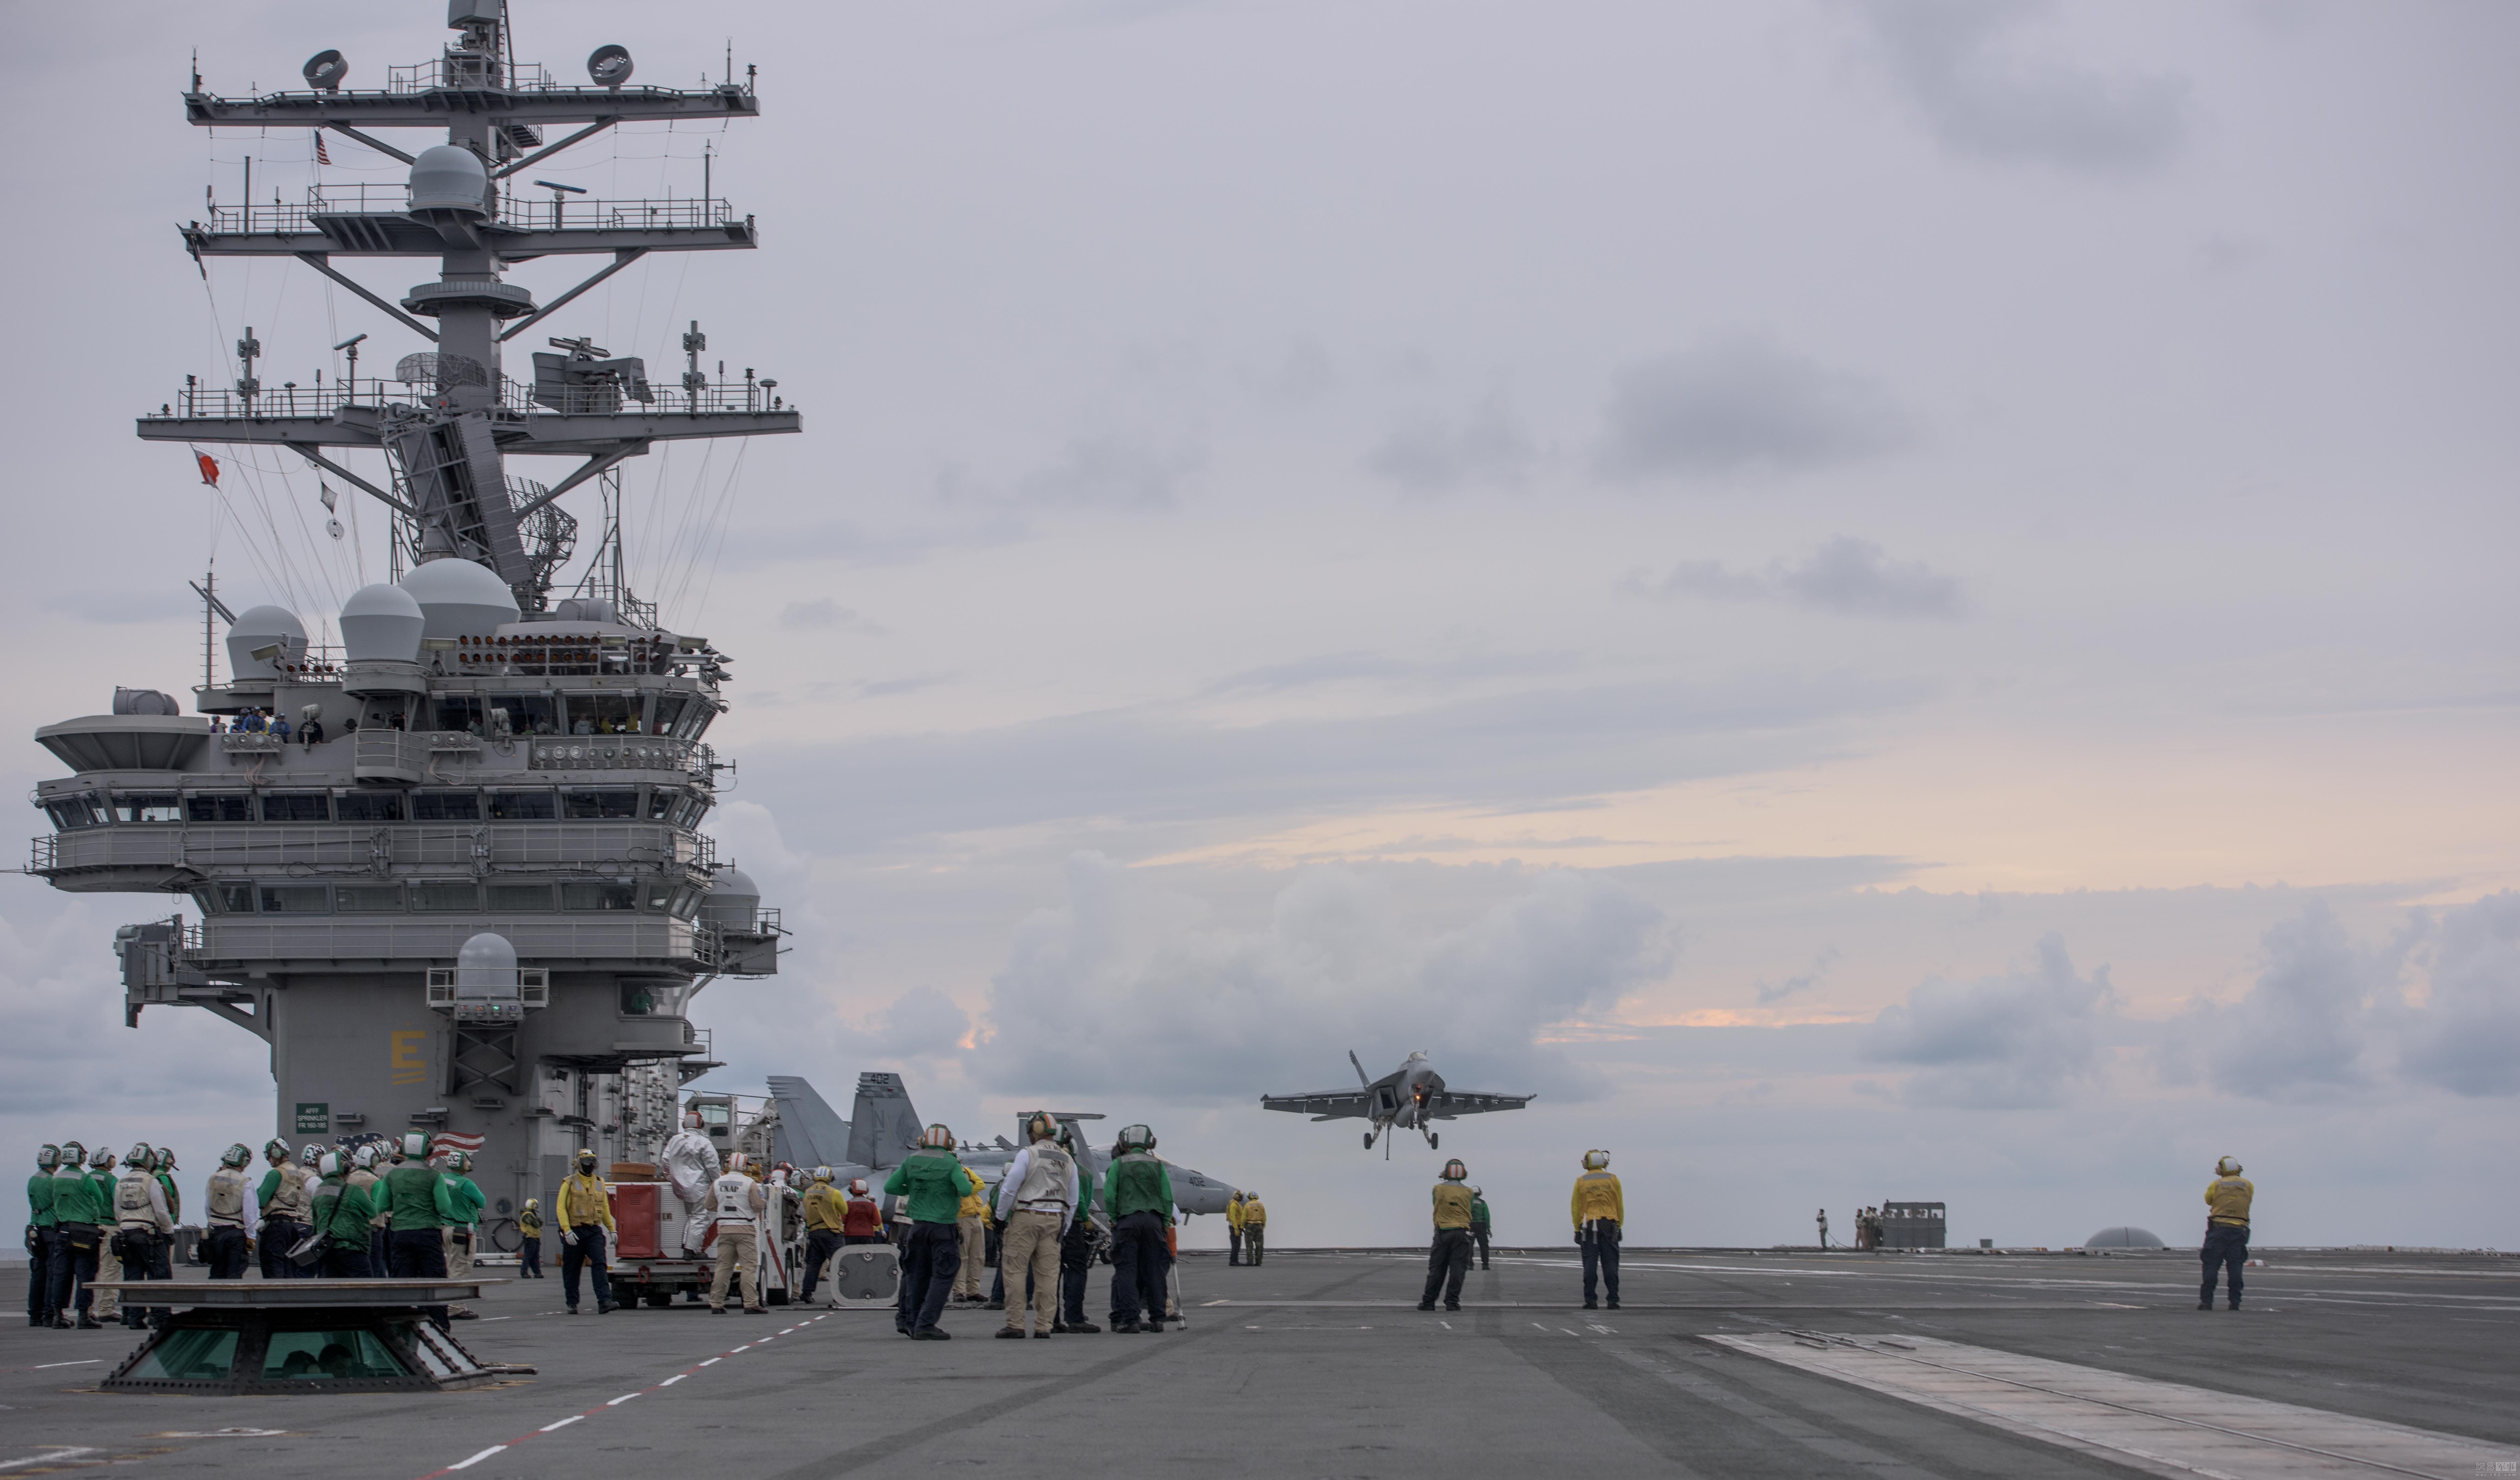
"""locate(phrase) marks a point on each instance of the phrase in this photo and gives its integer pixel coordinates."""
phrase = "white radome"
(382, 624)
(460, 598)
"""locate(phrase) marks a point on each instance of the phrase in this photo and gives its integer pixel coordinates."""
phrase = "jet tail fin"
(810, 1132)
(1361, 1076)
(883, 1123)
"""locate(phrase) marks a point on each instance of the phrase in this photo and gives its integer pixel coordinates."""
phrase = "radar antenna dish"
(609, 64)
(325, 71)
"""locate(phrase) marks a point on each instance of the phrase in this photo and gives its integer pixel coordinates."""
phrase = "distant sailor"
(1479, 1224)
(1448, 1261)
(43, 1236)
(585, 1216)
(102, 1181)
(931, 1185)
(530, 1228)
(863, 1219)
(140, 1220)
(1233, 1229)
(342, 1211)
(1255, 1228)
(229, 1218)
(282, 1200)
(691, 1164)
(79, 1209)
(740, 1203)
(1599, 1209)
(971, 1224)
(418, 1207)
(1035, 1200)
(364, 1176)
(464, 1202)
(2227, 1230)
(1076, 1246)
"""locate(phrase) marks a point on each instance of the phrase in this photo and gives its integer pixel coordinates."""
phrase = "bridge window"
(687, 903)
(368, 899)
(528, 713)
(661, 802)
(233, 898)
(461, 712)
(218, 807)
(521, 807)
(667, 711)
(147, 807)
(295, 807)
(293, 899)
(599, 896)
(695, 718)
(71, 813)
(368, 807)
(604, 714)
(446, 806)
(513, 899)
(445, 898)
(695, 805)
(584, 806)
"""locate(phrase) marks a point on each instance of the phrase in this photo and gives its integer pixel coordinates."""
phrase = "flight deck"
(1317, 1363)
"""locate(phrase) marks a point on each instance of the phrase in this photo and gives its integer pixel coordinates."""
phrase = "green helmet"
(235, 1155)
(414, 1144)
(1137, 1137)
(1453, 1171)
(47, 1157)
(459, 1161)
(1041, 1125)
(165, 1159)
(275, 1151)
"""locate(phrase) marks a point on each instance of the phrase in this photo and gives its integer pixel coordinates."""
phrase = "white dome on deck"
(260, 627)
(382, 623)
(450, 178)
(460, 598)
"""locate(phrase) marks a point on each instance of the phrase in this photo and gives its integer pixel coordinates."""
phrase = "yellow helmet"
(1594, 1161)
(533, 1204)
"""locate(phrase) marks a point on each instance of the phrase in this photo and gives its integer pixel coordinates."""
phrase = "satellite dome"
(733, 900)
(450, 178)
(486, 965)
(261, 627)
(2124, 1236)
(460, 598)
(382, 623)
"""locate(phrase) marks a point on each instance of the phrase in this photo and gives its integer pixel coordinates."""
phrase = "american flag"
(322, 155)
(456, 1141)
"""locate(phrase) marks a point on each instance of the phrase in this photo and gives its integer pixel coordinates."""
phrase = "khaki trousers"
(975, 1256)
(737, 1254)
(459, 1260)
(1031, 1242)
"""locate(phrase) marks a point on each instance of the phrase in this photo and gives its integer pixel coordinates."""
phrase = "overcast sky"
(1878, 600)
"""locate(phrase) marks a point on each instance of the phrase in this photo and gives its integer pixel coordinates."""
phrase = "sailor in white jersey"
(738, 1205)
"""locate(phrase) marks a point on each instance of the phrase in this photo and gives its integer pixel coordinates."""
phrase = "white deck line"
(2162, 1428)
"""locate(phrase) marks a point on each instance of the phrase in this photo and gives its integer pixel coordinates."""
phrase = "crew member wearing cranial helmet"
(81, 1207)
(931, 1183)
(229, 1215)
(141, 1220)
(691, 1164)
(826, 1210)
(417, 1208)
(283, 1201)
(341, 1214)
(2227, 1230)
(1448, 1261)
(1137, 1199)
(43, 1236)
(1036, 1198)
(1599, 1210)
(861, 1220)
(1076, 1249)
(584, 1212)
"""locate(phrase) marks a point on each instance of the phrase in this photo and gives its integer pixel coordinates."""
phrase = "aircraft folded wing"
(1328, 1104)
(1445, 1105)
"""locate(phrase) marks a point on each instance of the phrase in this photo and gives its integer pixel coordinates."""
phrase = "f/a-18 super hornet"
(1411, 1095)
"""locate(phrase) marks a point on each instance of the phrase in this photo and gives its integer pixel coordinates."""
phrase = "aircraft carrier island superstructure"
(477, 901)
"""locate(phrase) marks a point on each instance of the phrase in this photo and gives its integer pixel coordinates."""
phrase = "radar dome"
(733, 902)
(2124, 1237)
(450, 178)
(460, 598)
(382, 623)
(485, 965)
(263, 627)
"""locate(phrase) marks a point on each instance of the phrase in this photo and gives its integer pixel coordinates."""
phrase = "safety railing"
(205, 402)
(439, 72)
(356, 850)
(631, 937)
(45, 856)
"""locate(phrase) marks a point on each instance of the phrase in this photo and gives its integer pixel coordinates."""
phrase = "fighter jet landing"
(1412, 1097)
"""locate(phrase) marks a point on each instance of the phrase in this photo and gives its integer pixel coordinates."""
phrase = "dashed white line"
(714, 1361)
(617, 1401)
(671, 1381)
(50, 1456)
(477, 1458)
(82, 1361)
(564, 1424)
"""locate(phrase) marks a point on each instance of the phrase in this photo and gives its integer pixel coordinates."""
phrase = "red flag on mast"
(209, 468)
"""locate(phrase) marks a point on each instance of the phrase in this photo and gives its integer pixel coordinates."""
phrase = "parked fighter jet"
(1411, 1096)
(883, 1128)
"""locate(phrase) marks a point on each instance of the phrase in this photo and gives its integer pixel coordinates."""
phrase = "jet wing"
(1446, 1105)
(1328, 1104)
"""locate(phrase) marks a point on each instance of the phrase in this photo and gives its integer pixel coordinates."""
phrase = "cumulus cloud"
(2466, 1037)
(1124, 979)
(921, 1023)
(1848, 576)
(1741, 406)
(2019, 1040)
(2309, 1023)
(1109, 472)
(1961, 66)
(1436, 454)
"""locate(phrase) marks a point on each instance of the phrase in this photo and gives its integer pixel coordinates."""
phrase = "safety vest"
(288, 1198)
(227, 1198)
(733, 1193)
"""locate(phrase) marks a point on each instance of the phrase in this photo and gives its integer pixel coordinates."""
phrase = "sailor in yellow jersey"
(1448, 1262)
(1599, 1209)
(2227, 1228)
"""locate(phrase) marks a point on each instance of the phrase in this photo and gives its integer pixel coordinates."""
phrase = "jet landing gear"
(1433, 1140)
(1368, 1140)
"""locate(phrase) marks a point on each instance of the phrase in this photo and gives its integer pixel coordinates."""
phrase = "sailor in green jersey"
(342, 1212)
(465, 1200)
(1138, 1198)
(931, 1183)
(78, 1208)
(161, 1263)
(416, 1204)
(1479, 1224)
(43, 1236)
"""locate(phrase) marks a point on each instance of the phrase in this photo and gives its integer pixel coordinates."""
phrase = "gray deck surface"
(1319, 1366)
